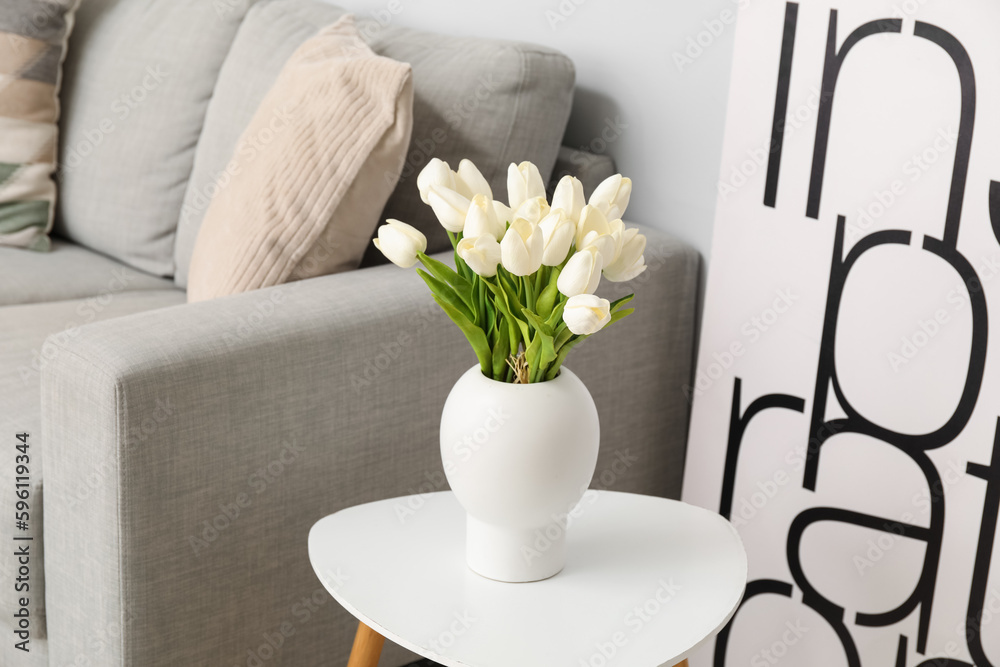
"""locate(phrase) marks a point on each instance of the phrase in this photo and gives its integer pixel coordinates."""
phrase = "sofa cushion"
(23, 333)
(312, 172)
(491, 101)
(33, 38)
(137, 84)
(67, 272)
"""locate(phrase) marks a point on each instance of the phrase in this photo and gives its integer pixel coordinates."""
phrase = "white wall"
(624, 52)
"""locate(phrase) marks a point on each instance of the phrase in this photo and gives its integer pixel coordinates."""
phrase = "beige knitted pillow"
(313, 170)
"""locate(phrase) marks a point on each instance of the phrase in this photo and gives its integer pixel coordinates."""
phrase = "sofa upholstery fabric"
(67, 272)
(134, 101)
(26, 349)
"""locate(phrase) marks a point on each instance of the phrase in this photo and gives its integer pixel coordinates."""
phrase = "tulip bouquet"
(522, 290)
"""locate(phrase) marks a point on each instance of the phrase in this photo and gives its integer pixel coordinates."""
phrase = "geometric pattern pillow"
(33, 37)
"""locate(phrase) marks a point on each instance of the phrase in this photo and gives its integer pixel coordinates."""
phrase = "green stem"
(483, 320)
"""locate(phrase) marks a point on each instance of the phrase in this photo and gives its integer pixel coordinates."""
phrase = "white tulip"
(569, 197)
(482, 219)
(481, 253)
(586, 314)
(523, 183)
(533, 210)
(582, 273)
(591, 220)
(522, 247)
(612, 196)
(400, 242)
(437, 172)
(558, 233)
(470, 181)
(503, 213)
(630, 261)
(609, 244)
(605, 245)
(449, 206)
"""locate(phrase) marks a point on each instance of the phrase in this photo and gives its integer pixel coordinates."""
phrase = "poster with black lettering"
(846, 404)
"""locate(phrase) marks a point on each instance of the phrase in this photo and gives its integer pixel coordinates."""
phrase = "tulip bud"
(610, 244)
(481, 253)
(533, 210)
(482, 219)
(604, 243)
(630, 261)
(449, 207)
(586, 314)
(569, 197)
(558, 233)
(522, 247)
(469, 181)
(503, 213)
(436, 172)
(611, 197)
(582, 273)
(400, 242)
(591, 220)
(523, 183)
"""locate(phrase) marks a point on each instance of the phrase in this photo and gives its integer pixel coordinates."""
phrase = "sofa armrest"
(189, 450)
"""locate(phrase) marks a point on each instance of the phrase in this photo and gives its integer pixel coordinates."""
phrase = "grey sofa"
(180, 453)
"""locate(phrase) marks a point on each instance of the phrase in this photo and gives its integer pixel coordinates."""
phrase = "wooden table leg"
(367, 648)
(683, 663)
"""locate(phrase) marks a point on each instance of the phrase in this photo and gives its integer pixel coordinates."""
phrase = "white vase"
(519, 458)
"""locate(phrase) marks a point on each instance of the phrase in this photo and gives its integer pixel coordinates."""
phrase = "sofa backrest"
(158, 92)
(138, 78)
(490, 101)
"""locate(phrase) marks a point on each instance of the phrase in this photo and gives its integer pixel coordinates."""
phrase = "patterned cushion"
(33, 37)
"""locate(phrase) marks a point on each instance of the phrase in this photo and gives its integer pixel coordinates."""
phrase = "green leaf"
(620, 315)
(615, 305)
(443, 291)
(563, 334)
(547, 299)
(531, 355)
(500, 353)
(555, 318)
(537, 322)
(446, 274)
(539, 354)
(514, 334)
(561, 356)
(487, 306)
(512, 292)
(473, 334)
(502, 300)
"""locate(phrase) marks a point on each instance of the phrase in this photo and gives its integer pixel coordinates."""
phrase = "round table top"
(647, 580)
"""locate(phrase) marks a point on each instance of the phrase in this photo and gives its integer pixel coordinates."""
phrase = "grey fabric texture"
(219, 432)
(591, 169)
(134, 97)
(24, 354)
(66, 272)
(491, 101)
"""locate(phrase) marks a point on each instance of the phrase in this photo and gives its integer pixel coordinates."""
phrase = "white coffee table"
(647, 581)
